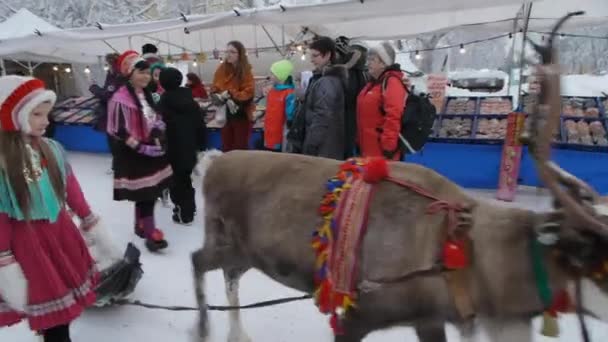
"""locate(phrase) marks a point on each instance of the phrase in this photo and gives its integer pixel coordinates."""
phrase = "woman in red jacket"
(198, 89)
(379, 110)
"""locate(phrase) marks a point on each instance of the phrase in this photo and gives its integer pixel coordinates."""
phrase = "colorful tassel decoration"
(550, 326)
(327, 300)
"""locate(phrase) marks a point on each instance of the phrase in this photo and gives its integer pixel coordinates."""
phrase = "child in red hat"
(141, 167)
(47, 275)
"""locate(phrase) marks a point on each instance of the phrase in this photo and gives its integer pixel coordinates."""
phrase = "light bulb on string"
(194, 64)
(55, 68)
(418, 56)
(106, 67)
(299, 47)
(221, 60)
(462, 49)
(303, 57)
(87, 70)
(68, 70)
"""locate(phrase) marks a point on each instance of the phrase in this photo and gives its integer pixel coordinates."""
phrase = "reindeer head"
(578, 230)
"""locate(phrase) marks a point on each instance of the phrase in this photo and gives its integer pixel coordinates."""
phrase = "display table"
(477, 166)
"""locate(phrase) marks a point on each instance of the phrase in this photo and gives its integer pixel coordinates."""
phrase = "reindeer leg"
(209, 258)
(231, 277)
(431, 331)
(519, 330)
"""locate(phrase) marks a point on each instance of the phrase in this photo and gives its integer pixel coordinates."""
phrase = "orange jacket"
(240, 91)
(377, 132)
(280, 104)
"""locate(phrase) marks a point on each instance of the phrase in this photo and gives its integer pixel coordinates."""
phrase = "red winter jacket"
(378, 133)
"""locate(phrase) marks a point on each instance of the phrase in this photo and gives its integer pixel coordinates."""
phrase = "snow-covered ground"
(167, 281)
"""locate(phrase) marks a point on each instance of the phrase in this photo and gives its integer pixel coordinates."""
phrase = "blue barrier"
(81, 138)
(468, 165)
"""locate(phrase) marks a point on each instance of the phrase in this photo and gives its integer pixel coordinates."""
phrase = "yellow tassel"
(347, 303)
(550, 326)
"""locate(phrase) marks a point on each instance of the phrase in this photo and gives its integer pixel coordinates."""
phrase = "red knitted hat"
(126, 62)
(18, 97)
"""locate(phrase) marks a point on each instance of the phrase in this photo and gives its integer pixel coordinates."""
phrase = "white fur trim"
(31, 102)
(101, 246)
(13, 287)
(381, 52)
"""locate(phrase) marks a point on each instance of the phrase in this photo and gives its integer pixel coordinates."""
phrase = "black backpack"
(417, 121)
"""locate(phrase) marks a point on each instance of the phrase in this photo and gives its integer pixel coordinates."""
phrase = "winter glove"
(159, 125)
(220, 98)
(233, 108)
(150, 150)
(13, 284)
(145, 149)
(99, 241)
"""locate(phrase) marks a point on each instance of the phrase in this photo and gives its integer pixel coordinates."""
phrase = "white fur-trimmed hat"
(385, 52)
(18, 97)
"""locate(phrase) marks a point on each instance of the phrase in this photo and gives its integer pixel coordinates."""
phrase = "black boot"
(182, 217)
(59, 333)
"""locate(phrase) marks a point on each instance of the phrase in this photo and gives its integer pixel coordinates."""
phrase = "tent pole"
(512, 53)
(527, 14)
(110, 46)
(30, 68)
(3, 66)
(273, 42)
(130, 43)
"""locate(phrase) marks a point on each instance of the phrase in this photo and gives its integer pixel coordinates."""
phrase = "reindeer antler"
(549, 111)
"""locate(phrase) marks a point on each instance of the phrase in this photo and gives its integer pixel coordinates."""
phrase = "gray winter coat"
(323, 110)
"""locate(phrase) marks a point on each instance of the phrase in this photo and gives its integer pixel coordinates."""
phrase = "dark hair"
(149, 48)
(15, 160)
(111, 58)
(192, 77)
(324, 45)
(142, 65)
(243, 63)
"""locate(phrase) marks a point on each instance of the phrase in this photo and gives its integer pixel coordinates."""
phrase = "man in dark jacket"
(113, 81)
(354, 58)
(185, 134)
(318, 129)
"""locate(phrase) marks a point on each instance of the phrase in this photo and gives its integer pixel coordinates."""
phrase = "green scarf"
(44, 203)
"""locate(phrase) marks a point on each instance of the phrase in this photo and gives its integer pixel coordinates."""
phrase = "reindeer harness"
(335, 296)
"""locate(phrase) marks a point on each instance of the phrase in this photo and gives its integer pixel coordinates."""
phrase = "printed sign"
(511, 158)
(436, 85)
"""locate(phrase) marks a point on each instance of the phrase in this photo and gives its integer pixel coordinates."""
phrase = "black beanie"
(171, 78)
(149, 48)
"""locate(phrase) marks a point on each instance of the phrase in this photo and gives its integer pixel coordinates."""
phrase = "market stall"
(469, 132)
(74, 120)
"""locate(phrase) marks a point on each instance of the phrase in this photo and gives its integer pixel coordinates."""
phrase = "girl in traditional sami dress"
(47, 275)
(142, 170)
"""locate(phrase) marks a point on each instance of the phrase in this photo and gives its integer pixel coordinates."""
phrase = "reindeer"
(261, 208)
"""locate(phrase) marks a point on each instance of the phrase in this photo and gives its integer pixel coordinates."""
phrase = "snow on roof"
(24, 23)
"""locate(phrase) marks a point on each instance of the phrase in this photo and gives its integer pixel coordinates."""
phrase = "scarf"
(44, 203)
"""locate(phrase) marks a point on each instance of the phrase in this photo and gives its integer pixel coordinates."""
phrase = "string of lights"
(302, 46)
(509, 35)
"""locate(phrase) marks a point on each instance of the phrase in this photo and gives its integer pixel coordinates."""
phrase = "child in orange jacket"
(280, 105)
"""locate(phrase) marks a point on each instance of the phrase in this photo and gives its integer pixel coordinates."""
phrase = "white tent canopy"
(266, 28)
(23, 25)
